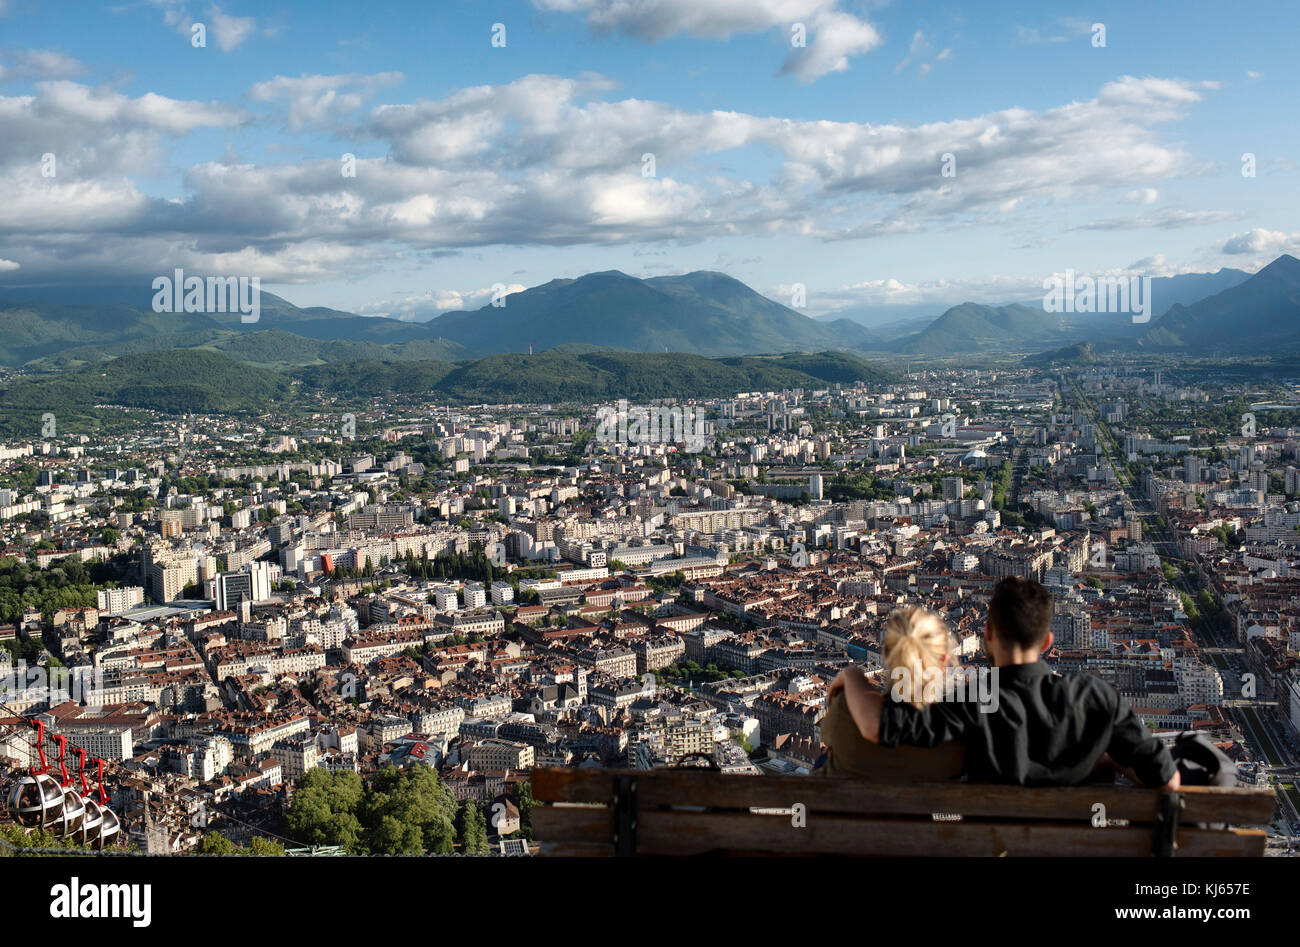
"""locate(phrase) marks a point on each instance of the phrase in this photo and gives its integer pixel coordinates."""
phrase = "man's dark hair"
(1020, 612)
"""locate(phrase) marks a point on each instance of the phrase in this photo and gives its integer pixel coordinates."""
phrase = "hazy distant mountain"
(704, 313)
(1166, 292)
(971, 327)
(879, 315)
(1258, 316)
(1189, 288)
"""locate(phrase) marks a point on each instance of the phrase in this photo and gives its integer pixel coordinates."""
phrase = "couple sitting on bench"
(1039, 729)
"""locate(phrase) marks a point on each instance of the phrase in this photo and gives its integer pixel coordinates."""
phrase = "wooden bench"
(698, 812)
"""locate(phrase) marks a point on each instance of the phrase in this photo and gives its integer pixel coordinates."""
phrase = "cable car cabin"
(91, 823)
(109, 830)
(699, 812)
(74, 814)
(36, 802)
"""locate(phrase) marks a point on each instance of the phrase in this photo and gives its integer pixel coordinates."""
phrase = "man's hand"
(1173, 784)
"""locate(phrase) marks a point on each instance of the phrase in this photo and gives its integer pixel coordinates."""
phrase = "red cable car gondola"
(74, 807)
(94, 818)
(39, 801)
(36, 800)
(110, 827)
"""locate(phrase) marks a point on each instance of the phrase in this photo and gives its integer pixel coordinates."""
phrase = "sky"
(871, 153)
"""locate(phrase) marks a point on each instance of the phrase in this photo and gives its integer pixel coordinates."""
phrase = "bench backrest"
(694, 812)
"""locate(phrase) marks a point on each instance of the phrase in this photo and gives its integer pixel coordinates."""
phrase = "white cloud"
(1260, 241)
(655, 20)
(1031, 35)
(938, 294)
(1169, 218)
(833, 36)
(541, 161)
(103, 106)
(918, 45)
(7, 265)
(424, 306)
(37, 64)
(1069, 28)
(918, 52)
(230, 31)
(319, 100)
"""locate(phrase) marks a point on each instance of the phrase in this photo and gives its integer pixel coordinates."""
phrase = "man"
(1045, 729)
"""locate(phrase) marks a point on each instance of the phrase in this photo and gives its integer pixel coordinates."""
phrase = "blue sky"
(481, 164)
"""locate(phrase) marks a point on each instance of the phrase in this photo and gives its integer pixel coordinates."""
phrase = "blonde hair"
(915, 647)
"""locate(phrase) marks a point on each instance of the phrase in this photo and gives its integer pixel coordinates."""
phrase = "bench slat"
(585, 825)
(586, 831)
(574, 850)
(684, 833)
(670, 787)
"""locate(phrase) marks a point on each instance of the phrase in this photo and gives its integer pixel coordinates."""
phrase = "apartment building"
(500, 754)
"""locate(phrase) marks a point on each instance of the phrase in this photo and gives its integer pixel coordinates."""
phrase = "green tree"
(324, 810)
(524, 799)
(472, 829)
(408, 812)
(35, 838)
(214, 843)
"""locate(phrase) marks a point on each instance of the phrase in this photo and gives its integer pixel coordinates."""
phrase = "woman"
(918, 653)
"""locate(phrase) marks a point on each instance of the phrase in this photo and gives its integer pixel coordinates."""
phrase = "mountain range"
(703, 313)
(893, 320)
(1260, 316)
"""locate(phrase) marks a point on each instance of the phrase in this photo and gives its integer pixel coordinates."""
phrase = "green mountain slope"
(33, 330)
(972, 327)
(702, 313)
(202, 380)
(176, 382)
(552, 376)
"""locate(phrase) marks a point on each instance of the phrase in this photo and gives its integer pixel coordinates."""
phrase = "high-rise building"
(252, 583)
(116, 601)
(1259, 479)
(168, 579)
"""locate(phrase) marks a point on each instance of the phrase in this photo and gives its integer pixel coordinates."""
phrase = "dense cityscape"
(261, 609)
